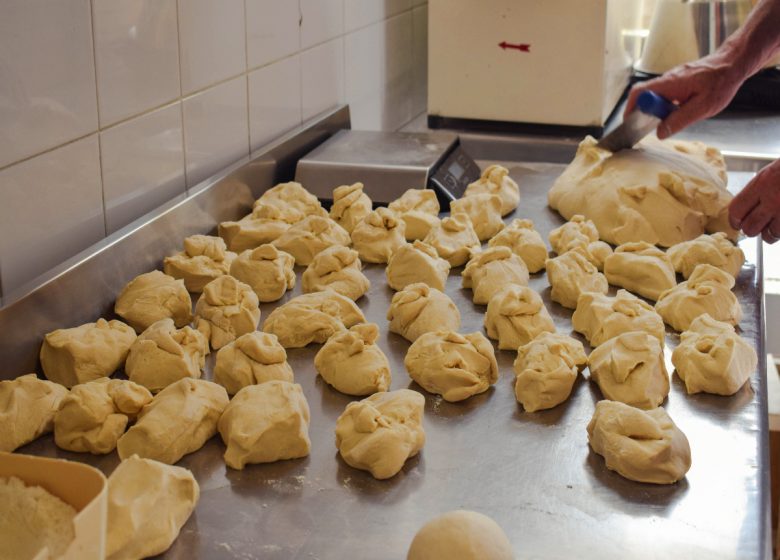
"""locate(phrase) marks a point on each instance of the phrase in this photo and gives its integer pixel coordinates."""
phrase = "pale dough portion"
(27, 409)
(641, 445)
(640, 268)
(713, 358)
(251, 359)
(601, 317)
(455, 366)
(454, 239)
(292, 198)
(380, 433)
(87, 352)
(94, 415)
(461, 535)
(179, 420)
(148, 504)
(495, 180)
(418, 224)
(525, 242)
(716, 250)
(204, 258)
(572, 274)
(419, 210)
(515, 316)
(227, 309)
(310, 236)
(707, 290)
(152, 296)
(264, 225)
(546, 369)
(378, 236)
(484, 210)
(417, 262)
(420, 309)
(266, 423)
(350, 206)
(630, 368)
(337, 268)
(312, 318)
(351, 361)
(580, 233)
(267, 270)
(163, 355)
(489, 271)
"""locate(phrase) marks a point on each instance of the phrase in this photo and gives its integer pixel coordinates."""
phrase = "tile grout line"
(181, 100)
(246, 82)
(97, 110)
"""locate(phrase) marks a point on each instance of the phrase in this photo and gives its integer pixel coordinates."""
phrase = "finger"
(668, 86)
(773, 228)
(757, 220)
(688, 113)
(741, 205)
(768, 236)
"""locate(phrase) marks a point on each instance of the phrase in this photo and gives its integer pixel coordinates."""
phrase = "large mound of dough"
(525, 242)
(659, 192)
(572, 274)
(417, 262)
(380, 433)
(640, 268)
(152, 296)
(351, 361)
(265, 423)
(87, 352)
(419, 210)
(484, 210)
(454, 239)
(461, 535)
(378, 236)
(350, 206)
(515, 316)
(713, 358)
(178, 421)
(267, 270)
(148, 504)
(204, 258)
(630, 368)
(707, 290)
(312, 318)
(27, 409)
(489, 271)
(310, 236)
(251, 359)
(420, 309)
(227, 309)
(600, 317)
(580, 233)
(163, 355)
(94, 415)
(716, 250)
(455, 366)
(337, 268)
(641, 445)
(495, 180)
(546, 369)
(264, 225)
(292, 198)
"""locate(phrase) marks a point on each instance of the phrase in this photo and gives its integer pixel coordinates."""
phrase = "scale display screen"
(451, 178)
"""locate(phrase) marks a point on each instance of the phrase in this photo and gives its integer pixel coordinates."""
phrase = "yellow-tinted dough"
(27, 409)
(716, 250)
(417, 262)
(601, 317)
(152, 296)
(419, 210)
(204, 258)
(495, 180)
(461, 535)
(251, 359)
(350, 206)
(292, 199)
(582, 233)
(525, 242)
(378, 236)
(484, 210)
(419, 309)
(489, 271)
(337, 268)
(267, 270)
(572, 274)
(515, 316)
(351, 361)
(310, 236)
(227, 309)
(264, 225)
(640, 268)
(454, 239)
(418, 224)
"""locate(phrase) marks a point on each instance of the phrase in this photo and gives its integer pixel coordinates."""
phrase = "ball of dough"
(630, 368)
(87, 352)
(420, 309)
(380, 433)
(351, 361)
(419, 200)
(163, 355)
(525, 242)
(640, 268)
(267, 270)
(713, 358)
(546, 369)
(350, 206)
(310, 236)
(264, 225)
(461, 535)
(454, 239)
(484, 210)
(715, 249)
(600, 317)
(265, 423)
(153, 296)
(378, 236)
(489, 271)
(418, 224)
(455, 366)
(292, 198)
(27, 409)
(572, 274)
(580, 233)
(495, 180)
(312, 318)
(641, 445)
(515, 316)
(204, 259)
(251, 359)
(227, 309)
(337, 268)
(179, 420)
(417, 262)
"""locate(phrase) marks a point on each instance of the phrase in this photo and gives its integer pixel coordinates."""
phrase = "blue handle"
(651, 103)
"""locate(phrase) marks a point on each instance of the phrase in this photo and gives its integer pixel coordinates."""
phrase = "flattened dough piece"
(253, 358)
(350, 206)
(27, 409)
(580, 233)
(227, 309)
(600, 317)
(640, 268)
(461, 534)
(716, 250)
(267, 270)
(495, 180)
(204, 258)
(351, 361)
(420, 309)
(152, 296)
(454, 239)
(417, 262)
(489, 271)
(378, 235)
(264, 225)
(310, 236)
(484, 210)
(337, 268)
(525, 242)
(292, 197)
(572, 274)
(515, 316)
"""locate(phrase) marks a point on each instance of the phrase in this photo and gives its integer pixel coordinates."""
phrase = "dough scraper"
(650, 110)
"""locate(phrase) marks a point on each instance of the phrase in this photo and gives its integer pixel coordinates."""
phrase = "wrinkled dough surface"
(350, 206)
(640, 268)
(454, 239)
(420, 309)
(419, 200)
(495, 180)
(267, 270)
(204, 258)
(489, 271)
(264, 225)
(251, 359)
(600, 317)
(525, 242)
(484, 210)
(351, 361)
(27, 409)
(515, 316)
(579, 233)
(339, 269)
(152, 296)
(716, 250)
(414, 263)
(572, 274)
(293, 200)
(461, 535)
(227, 309)
(310, 236)
(378, 236)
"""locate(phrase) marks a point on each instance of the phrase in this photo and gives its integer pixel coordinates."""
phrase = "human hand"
(756, 209)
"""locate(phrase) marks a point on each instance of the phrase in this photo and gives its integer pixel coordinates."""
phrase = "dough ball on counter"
(580, 233)
(417, 262)
(251, 359)
(418, 224)
(495, 180)
(640, 268)
(380, 433)
(525, 242)
(350, 206)
(94, 415)
(419, 210)
(227, 309)
(378, 236)
(312, 318)
(292, 199)
(707, 290)
(351, 361)
(600, 317)
(87, 352)
(337, 268)
(716, 250)
(489, 271)
(148, 504)
(454, 239)
(455, 366)
(152, 296)
(264, 225)
(630, 368)
(204, 259)
(484, 210)
(461, 535)
(420, 309)
(27, 409)
(515, 316)
(546, 369)
(267, 270)
(641, 445)
(310, 236)
(179, 420)
(163, 355)
(572, 274)
(265, 423)
(713, 358)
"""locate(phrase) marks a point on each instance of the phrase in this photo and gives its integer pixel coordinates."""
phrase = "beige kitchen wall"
(109, 108)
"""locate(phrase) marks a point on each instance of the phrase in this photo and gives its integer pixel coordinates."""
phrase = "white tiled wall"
(109, 108)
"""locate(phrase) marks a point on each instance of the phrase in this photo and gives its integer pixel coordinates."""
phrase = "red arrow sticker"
(524, 47)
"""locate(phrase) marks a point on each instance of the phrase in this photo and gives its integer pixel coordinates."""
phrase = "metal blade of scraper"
(650, 110)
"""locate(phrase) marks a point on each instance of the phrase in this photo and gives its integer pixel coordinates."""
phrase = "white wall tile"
(143, 165)
(321, 20)
(47, 76)
(274, 100)
(359, 13)
(212, 41)
(419, 60)
(137, 56)
(216, 131)
(272, 30)
(322, 77)
(52, 209)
